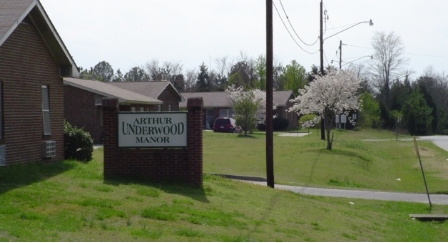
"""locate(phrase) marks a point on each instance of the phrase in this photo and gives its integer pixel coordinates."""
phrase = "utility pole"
(269, 96)
(321, 37)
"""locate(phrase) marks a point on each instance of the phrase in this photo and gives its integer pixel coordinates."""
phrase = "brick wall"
(80, 110)
(169, 97)
(25, 65)
(183, 165)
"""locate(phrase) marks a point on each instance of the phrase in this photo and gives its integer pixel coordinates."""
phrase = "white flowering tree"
(327, 96)
(249, 107)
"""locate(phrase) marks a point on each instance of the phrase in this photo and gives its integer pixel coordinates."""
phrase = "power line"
(331, 23)
(407, 53)
(290, 32)
(292, 27)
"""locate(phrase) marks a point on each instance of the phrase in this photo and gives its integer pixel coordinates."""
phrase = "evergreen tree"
(203, 80)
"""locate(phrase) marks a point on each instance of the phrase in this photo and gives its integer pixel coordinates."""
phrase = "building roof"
(281, 98)
(210, 99)
(13, 12)
(220, 99)
(105, 89)
(152, 88)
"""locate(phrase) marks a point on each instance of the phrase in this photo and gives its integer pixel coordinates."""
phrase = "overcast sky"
(128, 33)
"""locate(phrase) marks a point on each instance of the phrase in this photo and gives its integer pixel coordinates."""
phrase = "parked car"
(224, 124)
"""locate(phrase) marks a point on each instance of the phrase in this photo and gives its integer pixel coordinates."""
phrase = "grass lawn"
(70, 201)
(352, 163)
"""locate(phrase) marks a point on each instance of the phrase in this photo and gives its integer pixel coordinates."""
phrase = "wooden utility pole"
(269, 96)
(321, 37)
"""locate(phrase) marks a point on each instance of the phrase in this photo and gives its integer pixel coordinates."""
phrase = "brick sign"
(155, 129)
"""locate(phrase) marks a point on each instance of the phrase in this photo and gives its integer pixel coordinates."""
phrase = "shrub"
(78, 144)
(280, 124)
(307, 117)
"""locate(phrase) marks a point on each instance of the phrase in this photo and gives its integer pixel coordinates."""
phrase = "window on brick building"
(46, 110)
(159, 108)
(169, 107)
(226, 113)
(100, 115)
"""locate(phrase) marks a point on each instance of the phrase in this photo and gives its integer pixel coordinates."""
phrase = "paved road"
(441, 141)
(438, 140)
(441, 199)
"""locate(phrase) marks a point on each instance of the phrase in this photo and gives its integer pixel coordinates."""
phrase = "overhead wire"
(290, 32)
(292, 27)
(331, 24)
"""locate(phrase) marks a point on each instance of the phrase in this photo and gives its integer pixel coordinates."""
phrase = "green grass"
(351, 163)
(70, 201)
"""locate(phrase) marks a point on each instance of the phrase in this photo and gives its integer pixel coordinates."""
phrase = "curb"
(240, 177)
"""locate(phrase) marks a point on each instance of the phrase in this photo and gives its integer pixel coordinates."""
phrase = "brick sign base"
(179, 165)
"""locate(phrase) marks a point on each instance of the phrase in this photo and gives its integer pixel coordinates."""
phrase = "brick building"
(83, 103)
(33, 60)
(161, 90)
(83, 107)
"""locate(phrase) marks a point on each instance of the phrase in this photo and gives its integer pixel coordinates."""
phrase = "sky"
(129, 33)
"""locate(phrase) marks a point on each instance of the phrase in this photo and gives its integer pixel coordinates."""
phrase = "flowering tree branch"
(327, 96)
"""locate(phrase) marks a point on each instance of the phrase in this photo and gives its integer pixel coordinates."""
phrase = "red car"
(225, 124)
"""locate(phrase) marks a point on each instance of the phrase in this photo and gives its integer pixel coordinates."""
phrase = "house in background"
(83, 103)
(33, 60)
(161, 90)
(218, 104)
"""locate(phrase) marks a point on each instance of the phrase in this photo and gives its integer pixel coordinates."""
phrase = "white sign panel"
(156, 129)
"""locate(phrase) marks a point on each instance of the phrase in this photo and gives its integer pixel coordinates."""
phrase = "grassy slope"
(352, 163)
(71, 202)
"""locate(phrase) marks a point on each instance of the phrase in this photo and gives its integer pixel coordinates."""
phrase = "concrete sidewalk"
(441, 199)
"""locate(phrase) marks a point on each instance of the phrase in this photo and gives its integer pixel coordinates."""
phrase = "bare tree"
(190, 80)
(361, 71)
(222, 66)
(153, 69)
(387, 63)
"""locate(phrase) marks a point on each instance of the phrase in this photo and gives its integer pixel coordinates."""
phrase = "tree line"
(243, 71)
(390, 97)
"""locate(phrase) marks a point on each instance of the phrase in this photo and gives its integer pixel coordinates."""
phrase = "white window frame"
(169, 107)
(98, 100)
(46, 118)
